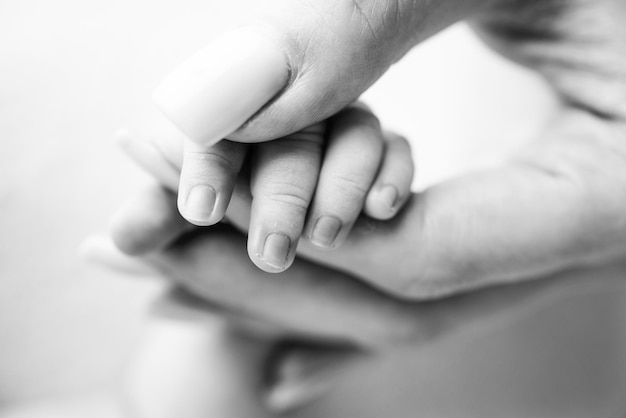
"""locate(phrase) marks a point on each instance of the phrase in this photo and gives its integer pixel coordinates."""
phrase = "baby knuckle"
(290, 195)
(290, 200)
(354, 186)
(212, 158)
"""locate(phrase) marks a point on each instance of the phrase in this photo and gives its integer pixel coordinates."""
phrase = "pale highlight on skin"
(255, 81)
(558, 205)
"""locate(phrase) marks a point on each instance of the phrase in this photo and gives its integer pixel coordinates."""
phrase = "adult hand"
(560, 203)
(292, 64)
(306, 302)
(212, 264)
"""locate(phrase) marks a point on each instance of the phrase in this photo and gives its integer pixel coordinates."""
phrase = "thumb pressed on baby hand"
(295, 63)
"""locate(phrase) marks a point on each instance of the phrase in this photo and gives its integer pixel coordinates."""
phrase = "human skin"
(567, 187)
(68, 110)
(323, 305)
(558, 204)
(274, 82)
(315, 182)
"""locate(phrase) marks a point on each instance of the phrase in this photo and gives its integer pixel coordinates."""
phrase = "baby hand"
(315, 182)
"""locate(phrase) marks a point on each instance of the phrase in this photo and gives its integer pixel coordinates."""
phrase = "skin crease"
(359, 34)
(369, 318)
(558, 181)
(448, 263)
(477, 301)
(366, 38)
(558, 204)
(568, 187)
(285, 176)
(572, 178)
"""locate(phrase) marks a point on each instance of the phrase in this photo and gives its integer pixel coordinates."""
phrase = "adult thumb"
(294, 63)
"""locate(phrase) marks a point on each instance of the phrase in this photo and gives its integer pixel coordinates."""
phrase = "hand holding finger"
(285, 68)
(557, 206)
(214, 266)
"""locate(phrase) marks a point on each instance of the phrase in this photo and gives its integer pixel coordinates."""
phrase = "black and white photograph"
(313, 209)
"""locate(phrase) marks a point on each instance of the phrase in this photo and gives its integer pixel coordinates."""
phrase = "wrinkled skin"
(559, 204)
(567, 187)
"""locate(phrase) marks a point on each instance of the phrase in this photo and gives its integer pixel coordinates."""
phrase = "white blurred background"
(72, 72)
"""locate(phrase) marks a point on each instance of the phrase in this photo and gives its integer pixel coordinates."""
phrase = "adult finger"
(354, 149)
(285, 68)
(215, 267)
(482, 228)
(283, 178)
(312, 301)
(392, 186)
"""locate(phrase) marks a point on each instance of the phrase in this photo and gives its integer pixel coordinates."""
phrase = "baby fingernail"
(325, 231)
(389, 196)
(199, 204)
(276, 250)
(221, 87)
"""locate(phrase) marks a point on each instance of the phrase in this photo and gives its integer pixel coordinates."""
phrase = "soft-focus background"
(72, 72)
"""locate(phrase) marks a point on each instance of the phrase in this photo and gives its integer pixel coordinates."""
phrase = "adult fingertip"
(217, 90)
